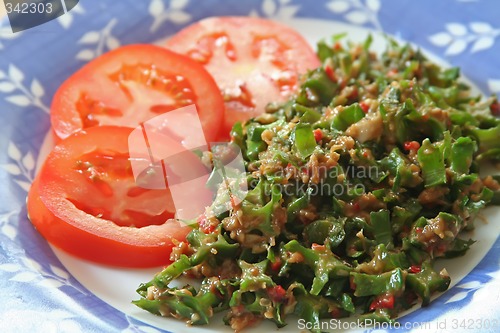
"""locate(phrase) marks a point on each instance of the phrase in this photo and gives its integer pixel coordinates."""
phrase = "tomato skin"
(227, 46)
(118, 88)
(89, 237)
(121, 250)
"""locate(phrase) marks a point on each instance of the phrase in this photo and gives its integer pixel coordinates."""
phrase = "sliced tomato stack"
(85, 199)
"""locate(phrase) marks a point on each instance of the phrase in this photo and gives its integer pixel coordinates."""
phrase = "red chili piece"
(205, 224)
(318, 135)
(276, 265)
(277, 294)
(495, 109)
(330, 73)
(415, 269)
(385, 301)
(411, 145)
(365, 107)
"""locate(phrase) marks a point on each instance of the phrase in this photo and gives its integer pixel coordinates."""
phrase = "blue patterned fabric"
(38, 293)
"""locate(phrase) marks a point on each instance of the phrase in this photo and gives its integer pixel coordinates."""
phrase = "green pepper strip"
(382, 229)
(432, 164)
(348, 116)
(389, 282)
(427, 281)
(462, 151)
(304, 140)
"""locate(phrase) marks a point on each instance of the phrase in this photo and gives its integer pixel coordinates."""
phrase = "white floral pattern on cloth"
(52, 321)
(174, 12)
(357, 11)
(11, 83)
(6, 227)
(21, 167)
(457, 37)
(6, 34)
(29, 271)
(276, 9)
(97, 42)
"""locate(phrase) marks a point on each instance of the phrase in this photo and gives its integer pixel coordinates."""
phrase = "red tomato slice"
(132, 84)
(254, 61)
(87, 203)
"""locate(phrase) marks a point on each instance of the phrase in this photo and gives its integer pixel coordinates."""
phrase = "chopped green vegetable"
(432, 163)
(304, 140)
(370, 174)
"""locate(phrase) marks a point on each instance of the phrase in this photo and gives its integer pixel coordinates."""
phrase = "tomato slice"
(87, 203)
(254, 61)
(133, 84)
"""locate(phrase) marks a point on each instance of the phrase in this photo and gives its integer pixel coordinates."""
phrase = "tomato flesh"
(254, 61)
(109, 174)
(86, 202)
(131, 85)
